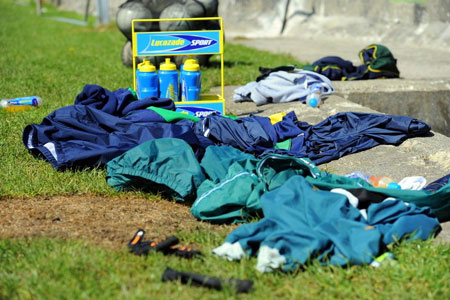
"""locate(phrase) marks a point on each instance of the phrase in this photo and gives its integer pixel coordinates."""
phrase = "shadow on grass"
(228, 64)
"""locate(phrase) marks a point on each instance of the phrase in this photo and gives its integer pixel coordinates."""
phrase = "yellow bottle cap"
(190, 59)
(191, 64)
(168, 65)
(146, 66)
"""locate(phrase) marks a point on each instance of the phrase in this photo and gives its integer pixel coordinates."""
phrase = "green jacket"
(236, 196)
(227, 184)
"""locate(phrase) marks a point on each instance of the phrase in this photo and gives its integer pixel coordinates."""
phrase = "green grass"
(40, 56)
(55, 60)
(57, 269)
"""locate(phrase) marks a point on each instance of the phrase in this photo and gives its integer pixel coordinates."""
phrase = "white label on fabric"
(51, 147)
(30, 141)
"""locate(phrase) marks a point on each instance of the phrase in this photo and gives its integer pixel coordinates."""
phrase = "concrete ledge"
(423, 92)
(425, 156)
(426, 100)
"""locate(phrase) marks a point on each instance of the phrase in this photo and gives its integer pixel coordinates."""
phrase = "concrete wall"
(80, 6)
(418, 22)
(421, 22)
(412, 12)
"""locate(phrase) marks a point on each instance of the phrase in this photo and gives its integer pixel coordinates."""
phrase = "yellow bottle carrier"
(191, 42)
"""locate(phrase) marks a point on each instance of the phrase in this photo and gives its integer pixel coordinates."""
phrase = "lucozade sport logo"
(200, 112)
(177, 43)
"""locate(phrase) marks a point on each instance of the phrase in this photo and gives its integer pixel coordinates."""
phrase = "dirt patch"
(107, 221)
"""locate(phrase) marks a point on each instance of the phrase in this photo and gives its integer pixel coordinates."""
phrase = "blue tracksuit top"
(105, 124)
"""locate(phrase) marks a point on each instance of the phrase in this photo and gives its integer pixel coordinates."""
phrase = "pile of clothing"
(289, 83)
(234, 169)
(103, 124)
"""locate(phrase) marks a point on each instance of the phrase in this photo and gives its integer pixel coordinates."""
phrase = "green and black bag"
(377, 62)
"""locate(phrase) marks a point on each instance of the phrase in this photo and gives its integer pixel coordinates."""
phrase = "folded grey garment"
(281, 87)
(242, 94)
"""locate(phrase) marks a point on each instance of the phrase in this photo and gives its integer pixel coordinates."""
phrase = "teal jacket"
(227, 184)
(300, 218)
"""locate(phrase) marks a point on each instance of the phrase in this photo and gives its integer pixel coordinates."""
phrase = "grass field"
(40, 56)
(55, 60)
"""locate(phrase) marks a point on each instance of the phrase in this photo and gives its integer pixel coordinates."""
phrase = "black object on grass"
(240, 285)
(168, 246)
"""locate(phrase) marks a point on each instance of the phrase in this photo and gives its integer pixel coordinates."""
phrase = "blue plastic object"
(190, 78)
(168, 80)
(314, 97)
(146, 80)
(191, 86)
(394, 185)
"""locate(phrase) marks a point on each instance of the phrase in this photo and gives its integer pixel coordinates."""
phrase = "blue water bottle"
(190, 78)
(180, 80)
(189, 59)
(168, 80)
(314, 98)
(146, 80)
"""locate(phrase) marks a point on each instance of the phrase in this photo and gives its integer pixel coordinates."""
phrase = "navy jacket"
(106, 124)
